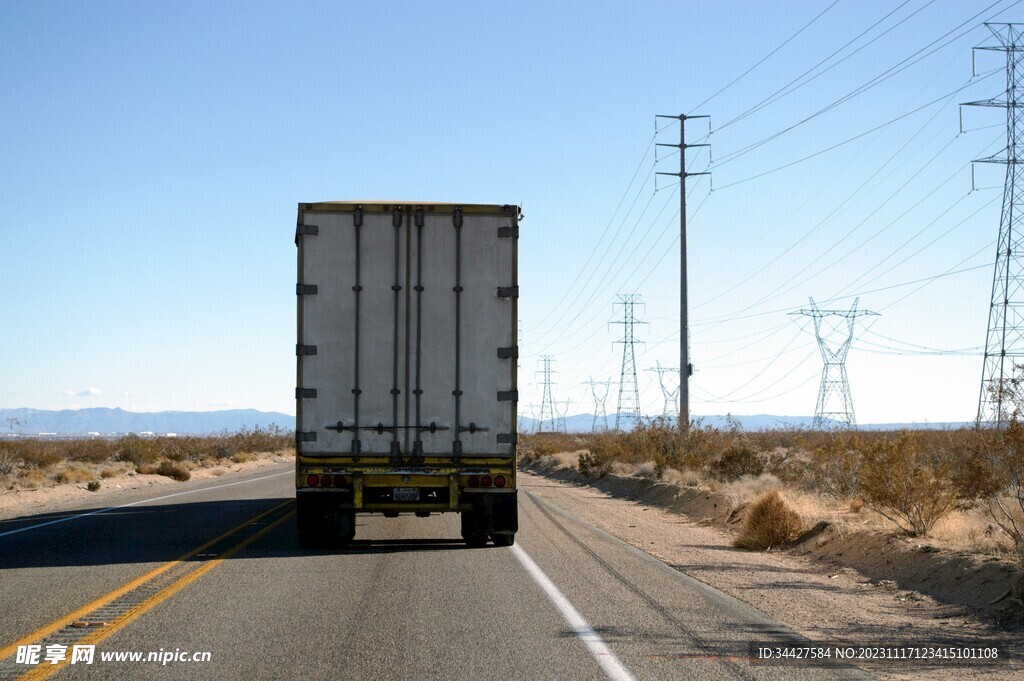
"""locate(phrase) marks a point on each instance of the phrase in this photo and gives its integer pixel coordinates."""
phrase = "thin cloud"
(88, 392)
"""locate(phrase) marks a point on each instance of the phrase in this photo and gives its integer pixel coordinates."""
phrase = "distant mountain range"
(119, 422)
(106, 421)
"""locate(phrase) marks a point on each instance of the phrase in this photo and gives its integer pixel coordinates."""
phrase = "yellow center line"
(62, 622)
(45, 671)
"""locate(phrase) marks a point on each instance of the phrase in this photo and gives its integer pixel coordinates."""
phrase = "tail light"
(485, 481)
(313, 480)
(499, 480)
(473, 481)
(327, 480)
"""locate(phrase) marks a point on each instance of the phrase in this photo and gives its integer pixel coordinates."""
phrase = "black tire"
(309, 530)
(471, 533)
(321, 526)
(503, 539)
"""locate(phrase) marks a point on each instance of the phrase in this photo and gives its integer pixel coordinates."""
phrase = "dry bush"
(834, 465)
(137, 450)
(747, 488)
(995, 461)
(171, 469)
(73, 475)
(769, 523)
(856, 505)
(93, 486)
(738, 459)
(603, 450)
(30, 478)
(92, 450)
(38, 454)
(906, 484)
(243, 457)
(684, 478)
(538, 445)
(108, 473)
(8, 460)
(648, 470)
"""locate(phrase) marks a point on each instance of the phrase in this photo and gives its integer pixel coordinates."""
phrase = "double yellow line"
(45, 670)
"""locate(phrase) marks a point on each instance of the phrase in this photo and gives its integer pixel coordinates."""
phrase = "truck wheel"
(346, 527)
(503, 539)
(308, 526)
(471, 533)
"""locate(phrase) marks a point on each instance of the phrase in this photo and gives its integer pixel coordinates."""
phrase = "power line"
(768, 56)
(772, 97)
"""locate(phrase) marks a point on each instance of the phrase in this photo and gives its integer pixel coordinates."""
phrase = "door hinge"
(305, 289)
(508, 353)
(307, 230)
(305, 436)
(301, 350)
(508, 395)
(507, 232)
(508, 291)
(305, 393)
(508, 438)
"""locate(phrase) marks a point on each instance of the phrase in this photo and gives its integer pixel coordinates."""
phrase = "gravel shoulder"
(823, 601)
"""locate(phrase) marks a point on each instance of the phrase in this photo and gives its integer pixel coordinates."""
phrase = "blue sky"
(154, 153)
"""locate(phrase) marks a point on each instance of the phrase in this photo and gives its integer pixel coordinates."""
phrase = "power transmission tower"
(670, 395)
(533, 416)
(547, 404)
(1004, 340)
(835, 385)
(562, 409)
(629, 391)
(600, 397)
(684, 326)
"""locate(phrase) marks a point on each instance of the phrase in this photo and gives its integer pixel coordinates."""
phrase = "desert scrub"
(73, 475)
(137, 450)
(769, 523)
(993, 474)
(738, 459)
(603, 450)
(166, 467)
(8, 460)
(537, 445)
(834, 466)
(906, 484)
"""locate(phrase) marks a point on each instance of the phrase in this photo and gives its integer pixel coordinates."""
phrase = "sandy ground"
(21, 502)
(825, 603)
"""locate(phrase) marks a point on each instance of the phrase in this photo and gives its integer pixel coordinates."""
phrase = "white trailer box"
(406, 351)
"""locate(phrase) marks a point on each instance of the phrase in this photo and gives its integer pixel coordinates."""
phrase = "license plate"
(405, 494)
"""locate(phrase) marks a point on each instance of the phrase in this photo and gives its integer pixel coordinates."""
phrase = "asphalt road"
(216, 568)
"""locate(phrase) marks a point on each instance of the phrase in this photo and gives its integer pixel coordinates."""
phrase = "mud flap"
(493, 513)
(322, 522)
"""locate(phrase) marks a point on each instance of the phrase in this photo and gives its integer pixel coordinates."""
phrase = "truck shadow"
(164, 532)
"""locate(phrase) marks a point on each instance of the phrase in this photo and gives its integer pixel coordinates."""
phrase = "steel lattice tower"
(547, 404)
(671, 396)
(835, 405)
(562, 409)
(600, 397)
(1004, 339)
(629, 391)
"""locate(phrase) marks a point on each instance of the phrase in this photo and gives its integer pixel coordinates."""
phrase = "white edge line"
(136, 503)
(595, 644)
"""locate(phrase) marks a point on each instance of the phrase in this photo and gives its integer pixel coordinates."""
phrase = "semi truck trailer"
(406, 360)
